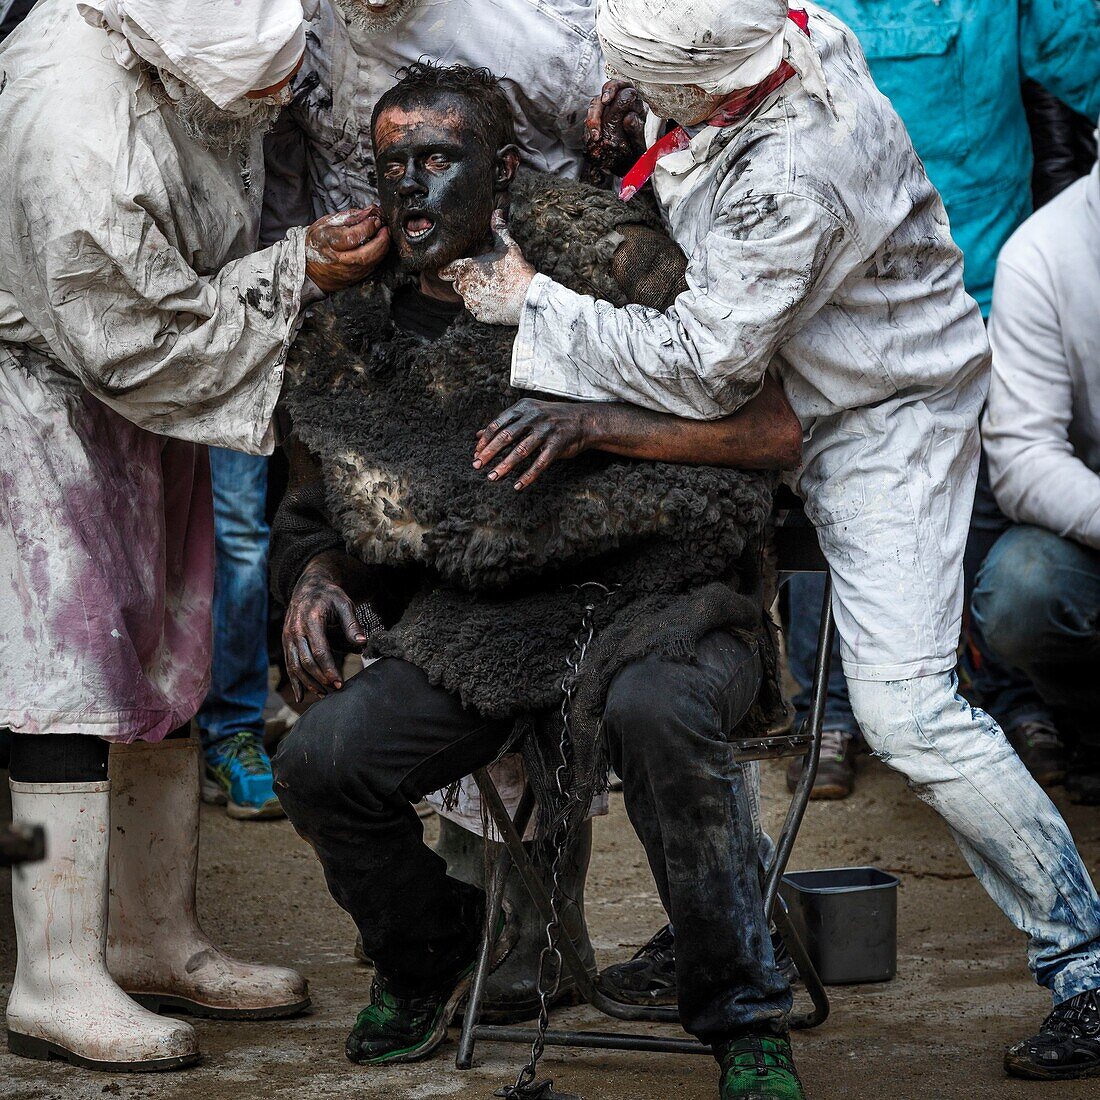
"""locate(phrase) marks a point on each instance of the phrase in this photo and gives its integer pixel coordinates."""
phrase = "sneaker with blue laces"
(237, 774)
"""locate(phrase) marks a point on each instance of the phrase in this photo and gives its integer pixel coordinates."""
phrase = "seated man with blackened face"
(487, 552)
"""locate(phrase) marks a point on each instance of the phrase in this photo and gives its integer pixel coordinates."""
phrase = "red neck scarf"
(732, 110)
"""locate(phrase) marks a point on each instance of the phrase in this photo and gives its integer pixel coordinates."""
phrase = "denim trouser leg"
(960, 763)
(238, 685)
(1038, 602)
(668, 726)
(1004, 691)
(805, 592)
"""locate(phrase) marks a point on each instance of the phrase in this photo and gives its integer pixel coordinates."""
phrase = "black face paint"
(435, 182)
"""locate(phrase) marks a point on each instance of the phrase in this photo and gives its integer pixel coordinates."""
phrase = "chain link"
(550, 956)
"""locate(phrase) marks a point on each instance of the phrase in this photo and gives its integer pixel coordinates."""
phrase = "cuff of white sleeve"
(311, 293)
(292, 285)
(524, 361)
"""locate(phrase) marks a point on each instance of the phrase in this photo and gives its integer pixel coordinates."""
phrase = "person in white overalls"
(820, 252)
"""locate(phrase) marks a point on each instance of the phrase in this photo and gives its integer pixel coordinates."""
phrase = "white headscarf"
(723, 46)
(222, 48)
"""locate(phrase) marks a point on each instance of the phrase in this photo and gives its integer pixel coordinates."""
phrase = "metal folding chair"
(797, 550)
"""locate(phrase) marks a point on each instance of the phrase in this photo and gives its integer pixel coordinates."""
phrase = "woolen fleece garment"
(392, 419)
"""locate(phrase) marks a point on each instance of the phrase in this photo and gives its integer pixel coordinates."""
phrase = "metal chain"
(526, 1084)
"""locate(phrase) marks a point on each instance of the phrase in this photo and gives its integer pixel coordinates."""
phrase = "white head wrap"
(222, 48)
(723, 46)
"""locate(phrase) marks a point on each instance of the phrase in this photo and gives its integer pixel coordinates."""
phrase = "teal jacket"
(953, 69)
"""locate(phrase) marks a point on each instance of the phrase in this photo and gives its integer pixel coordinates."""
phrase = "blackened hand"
(317, 604)
(494, 285)
(534, 434)
(614, 132)
(343, 249)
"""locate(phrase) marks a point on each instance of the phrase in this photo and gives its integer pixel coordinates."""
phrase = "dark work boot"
(1067, 1047)
(1038, 745)
(511, 993)
(393, 1028)
(649, 978)
(836, 770)
(1083, 778)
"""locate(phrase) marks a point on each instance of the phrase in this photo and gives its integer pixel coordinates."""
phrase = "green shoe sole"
(434, 1039)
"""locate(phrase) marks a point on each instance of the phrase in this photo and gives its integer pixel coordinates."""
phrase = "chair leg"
(801, 799)
(536, 888)
(513, 840)
(807, 971)
(501, 865)
(513, 853)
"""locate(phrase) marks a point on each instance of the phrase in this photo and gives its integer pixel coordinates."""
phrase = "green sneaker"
(395, 1029)
(758, 1068)
(399, 1029)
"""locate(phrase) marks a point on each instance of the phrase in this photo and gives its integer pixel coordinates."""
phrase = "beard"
(209, 125)
(687, 105)
(214, 128)
(360, 15)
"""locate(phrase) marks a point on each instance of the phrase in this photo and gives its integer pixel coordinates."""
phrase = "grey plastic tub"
(848, 919)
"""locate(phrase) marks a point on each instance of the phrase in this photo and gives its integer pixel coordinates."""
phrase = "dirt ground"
(962, 991)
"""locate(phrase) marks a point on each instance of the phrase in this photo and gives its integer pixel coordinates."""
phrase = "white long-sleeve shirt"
(817, 249)
(128, 252)
(1042, 425)
(814, 244)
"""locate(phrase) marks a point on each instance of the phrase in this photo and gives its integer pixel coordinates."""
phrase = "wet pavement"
(938, 1031)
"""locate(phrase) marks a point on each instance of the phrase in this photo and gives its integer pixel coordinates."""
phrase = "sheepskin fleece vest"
(662, 553)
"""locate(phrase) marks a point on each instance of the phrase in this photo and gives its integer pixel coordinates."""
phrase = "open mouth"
(418, 226)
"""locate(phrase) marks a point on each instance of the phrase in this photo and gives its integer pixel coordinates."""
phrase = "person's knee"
(243, 537)
(888, 711)
(878, 709)
(913, 723)
(660, 707)
(640, 704)
(1022, 603)
(324, 754)
(302, 779)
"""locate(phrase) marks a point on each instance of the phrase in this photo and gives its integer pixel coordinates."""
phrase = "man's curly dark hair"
(421, 84)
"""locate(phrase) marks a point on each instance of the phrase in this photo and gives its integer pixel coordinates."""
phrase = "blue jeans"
(238, 685)
(806, 592)
(957, 761)
(1037, 601)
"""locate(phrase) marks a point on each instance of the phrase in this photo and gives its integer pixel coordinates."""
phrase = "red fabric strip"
(732, 110)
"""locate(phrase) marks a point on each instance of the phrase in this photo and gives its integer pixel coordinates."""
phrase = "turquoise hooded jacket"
(953, 70)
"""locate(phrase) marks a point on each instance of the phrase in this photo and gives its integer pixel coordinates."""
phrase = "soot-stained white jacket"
(137, 320)
(819, 250)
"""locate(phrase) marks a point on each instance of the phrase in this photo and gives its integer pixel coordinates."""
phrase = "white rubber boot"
(156, 949)
(64, 1003)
